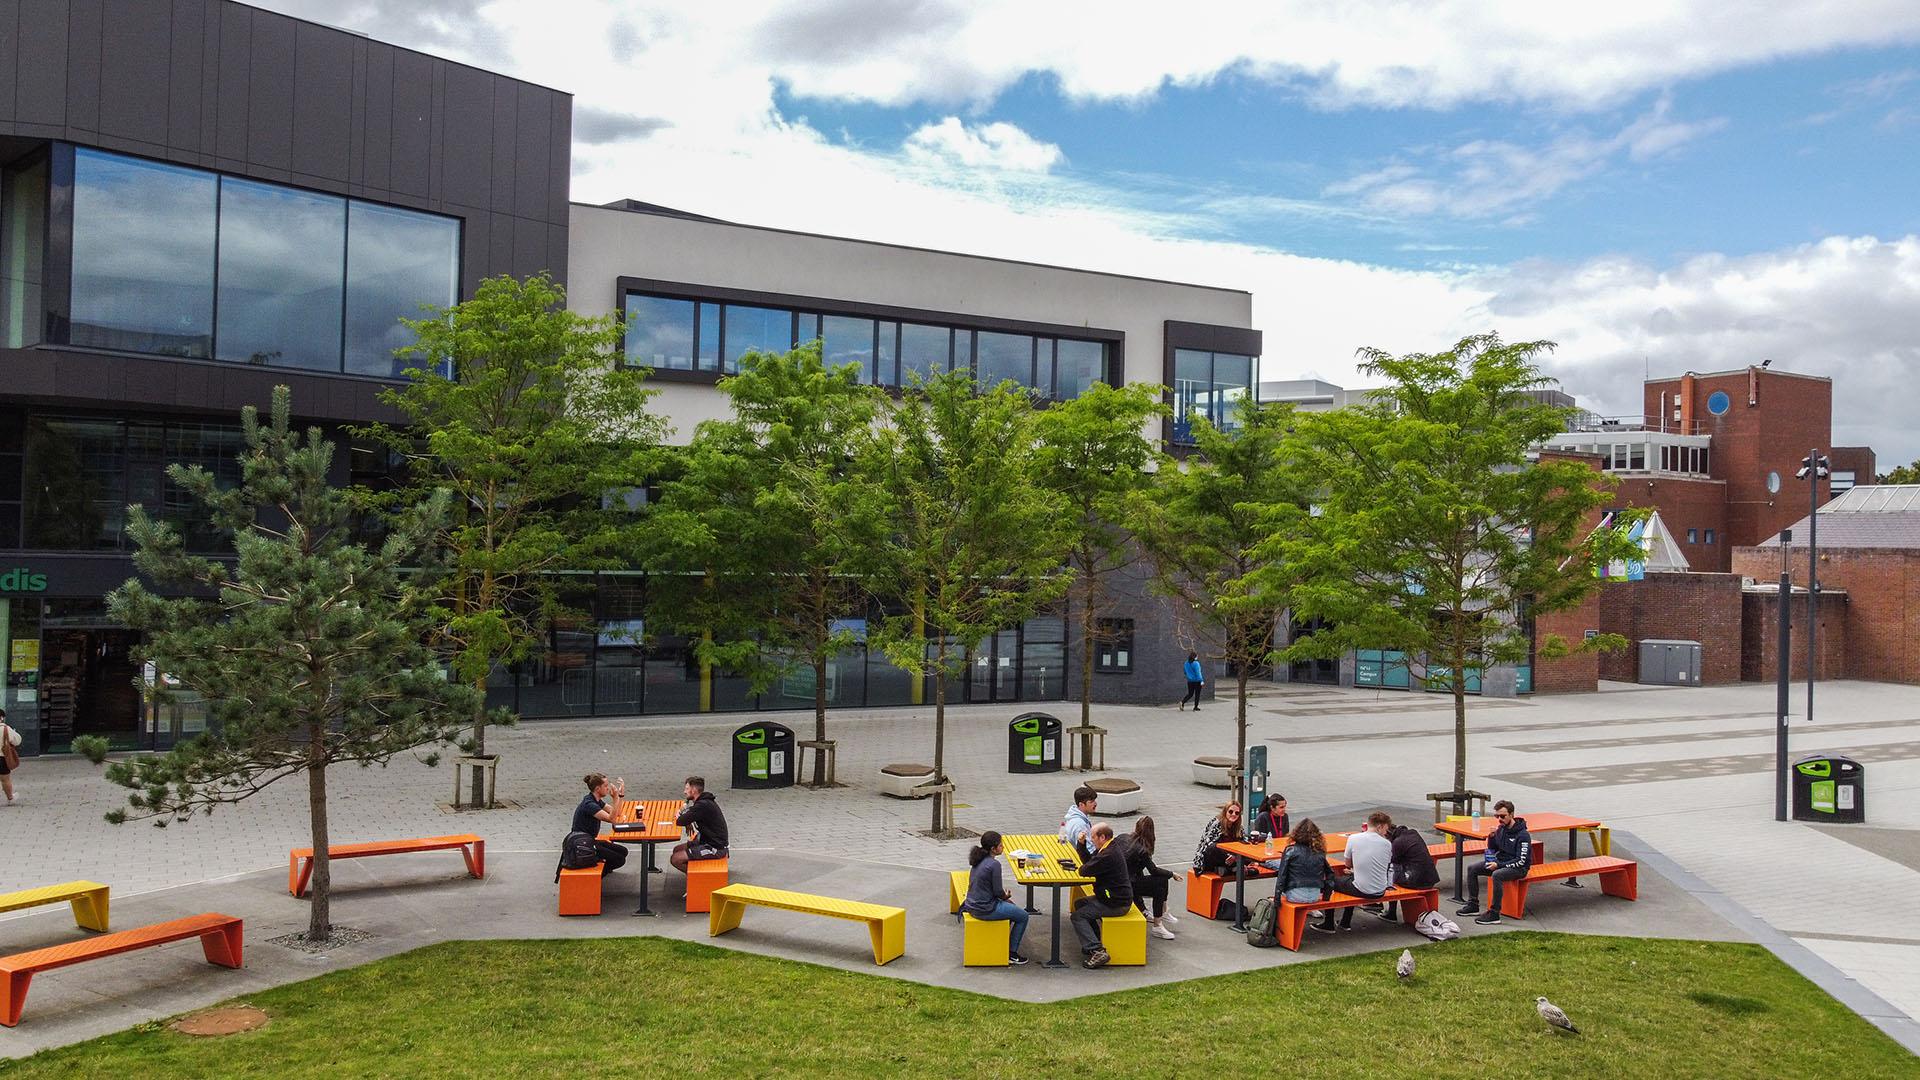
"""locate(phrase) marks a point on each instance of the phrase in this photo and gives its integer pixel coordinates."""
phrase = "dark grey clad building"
(199, 200)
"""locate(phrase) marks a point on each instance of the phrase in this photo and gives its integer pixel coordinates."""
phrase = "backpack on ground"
(1264, 924)
(577, 852)
(1436, 926)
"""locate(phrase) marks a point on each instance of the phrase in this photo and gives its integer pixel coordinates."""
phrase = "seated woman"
(1304, 876)
(1149, 881)
(987, 900)
(1224, 829)
(596, 807)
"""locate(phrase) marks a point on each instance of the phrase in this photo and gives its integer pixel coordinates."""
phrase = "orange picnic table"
(1257, 852)
(1544, 822)
(656, 818)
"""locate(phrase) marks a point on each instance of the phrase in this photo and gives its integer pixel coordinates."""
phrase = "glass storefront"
(78, 474)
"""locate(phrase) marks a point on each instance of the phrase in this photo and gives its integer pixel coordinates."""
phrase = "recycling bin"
(1829, 789)
(1033, 743)
(763, 756)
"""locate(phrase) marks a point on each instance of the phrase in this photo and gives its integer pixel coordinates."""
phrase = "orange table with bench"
(300, 860)
(219, 938)
(1546, 822)
(658, 816)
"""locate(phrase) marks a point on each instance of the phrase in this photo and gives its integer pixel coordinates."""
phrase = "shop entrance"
(87, 687)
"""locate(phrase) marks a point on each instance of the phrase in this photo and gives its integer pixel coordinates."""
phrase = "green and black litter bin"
(1033, 743)
(1829, 789)
(763, 756)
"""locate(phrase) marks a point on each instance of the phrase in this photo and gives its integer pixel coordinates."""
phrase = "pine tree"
(309, 647)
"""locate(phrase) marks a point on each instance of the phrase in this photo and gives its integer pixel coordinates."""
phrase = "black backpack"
(1263, 925)
(577, 852)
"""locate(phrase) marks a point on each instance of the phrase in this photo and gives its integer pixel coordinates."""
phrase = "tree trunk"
(939, 733)
(478, 794)
(320, 913)
(819, 719)
(1086, 672)
(1459, 731)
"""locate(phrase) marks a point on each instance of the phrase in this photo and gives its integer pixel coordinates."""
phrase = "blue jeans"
(1303, 894)
(1007, 909)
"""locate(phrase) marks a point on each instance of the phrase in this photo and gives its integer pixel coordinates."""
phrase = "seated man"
(1078, 820)
(595, 808)
(1413, 866)
(1369, 868)
(709, 826)
(1112, 892)
(1509, 857)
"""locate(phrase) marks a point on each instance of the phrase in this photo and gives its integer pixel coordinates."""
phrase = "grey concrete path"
(1333, 748)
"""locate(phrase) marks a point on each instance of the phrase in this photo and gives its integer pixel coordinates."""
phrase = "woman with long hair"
(987, 900)
(1149, 880)
(1223, 829)
(1303, 874)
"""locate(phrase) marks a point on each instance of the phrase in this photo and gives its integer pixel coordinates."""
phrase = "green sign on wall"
(21, 579)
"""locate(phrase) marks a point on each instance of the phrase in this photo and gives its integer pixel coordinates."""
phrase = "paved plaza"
(1681, 775)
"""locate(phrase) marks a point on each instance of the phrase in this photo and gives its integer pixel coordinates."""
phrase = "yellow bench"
(958, 881)
(886, 925)
(89, 900)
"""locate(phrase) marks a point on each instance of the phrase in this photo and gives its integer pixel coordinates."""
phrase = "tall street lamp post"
(1813, 469)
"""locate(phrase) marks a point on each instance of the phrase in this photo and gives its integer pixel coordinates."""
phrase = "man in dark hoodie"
(709, 826)
(1509, 856)
(1112, 892)
(1412, 864)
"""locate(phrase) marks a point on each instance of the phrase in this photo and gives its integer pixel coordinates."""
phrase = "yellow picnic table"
(1045, 871)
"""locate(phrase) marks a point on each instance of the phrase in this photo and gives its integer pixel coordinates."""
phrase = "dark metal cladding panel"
(230, 92)
(529, 246)
(9, 58)
(557, 251)
(505, 125)
(357, 119)
(559, 157)
(40, 87)
(476, 253)
(322, 102)
(83, 64)
(412, 157)
(466, 140)
(186, 50)
(532, 135)
(135, 43)
(270, 94)
(500, 250)
(376, 144)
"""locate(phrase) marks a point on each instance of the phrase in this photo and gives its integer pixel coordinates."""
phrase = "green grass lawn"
(611, 1008)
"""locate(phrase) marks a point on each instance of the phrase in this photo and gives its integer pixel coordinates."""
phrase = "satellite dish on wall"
(1773, 483)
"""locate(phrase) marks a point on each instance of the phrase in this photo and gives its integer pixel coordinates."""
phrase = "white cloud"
(997, 145)
(1487, 178)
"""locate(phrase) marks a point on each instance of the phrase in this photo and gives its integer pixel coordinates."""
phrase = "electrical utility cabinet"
(1669, 663)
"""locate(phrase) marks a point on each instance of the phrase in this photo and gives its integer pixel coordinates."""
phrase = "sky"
(1656, 187)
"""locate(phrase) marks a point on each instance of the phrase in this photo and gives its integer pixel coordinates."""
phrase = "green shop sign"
(20, 579)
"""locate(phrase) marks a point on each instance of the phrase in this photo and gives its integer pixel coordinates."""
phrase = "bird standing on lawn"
(1404, 968)
(1553, 1016)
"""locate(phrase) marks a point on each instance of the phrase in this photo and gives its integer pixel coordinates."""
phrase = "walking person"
(987, 898)
(1149, 880)
(1112, 893)
(596, 807)
(1196, 681)
(9, 754)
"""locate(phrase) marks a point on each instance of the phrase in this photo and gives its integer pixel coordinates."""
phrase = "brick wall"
(1773, 419)
(1576, 672)
(1881, 618)
(1696, 508)
(1685, 607)
(1760, 634)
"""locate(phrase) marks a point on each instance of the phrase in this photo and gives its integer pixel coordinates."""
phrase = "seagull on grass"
(1404, 968)
(1553, 1016)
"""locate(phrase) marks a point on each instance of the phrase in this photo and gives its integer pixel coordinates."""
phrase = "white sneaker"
(1159, 931)
(1169, 920)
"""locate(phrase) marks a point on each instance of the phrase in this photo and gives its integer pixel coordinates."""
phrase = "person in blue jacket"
(1509, 856)
(1195, 681)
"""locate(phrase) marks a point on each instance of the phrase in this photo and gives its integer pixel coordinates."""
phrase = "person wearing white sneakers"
(1149, 880)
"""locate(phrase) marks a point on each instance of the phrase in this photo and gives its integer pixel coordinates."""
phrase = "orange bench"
(219, 937)
(704, 876)
(1204, 891)
(300, 860)
(1618, 877)
(1292, 919)
(580, 890)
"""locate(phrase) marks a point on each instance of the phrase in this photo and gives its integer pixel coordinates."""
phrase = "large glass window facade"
(668, 333)
(178, 261)
(1211, 385)
(80, 473)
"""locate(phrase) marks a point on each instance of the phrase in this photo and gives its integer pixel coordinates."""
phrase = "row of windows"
(184, 262)
(697, 335)
(1699, 536)
(1211, 385)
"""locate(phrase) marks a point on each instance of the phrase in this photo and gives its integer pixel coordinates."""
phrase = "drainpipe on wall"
(1686, 404)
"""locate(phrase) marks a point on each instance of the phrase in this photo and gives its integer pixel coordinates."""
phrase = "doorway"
(87, 687)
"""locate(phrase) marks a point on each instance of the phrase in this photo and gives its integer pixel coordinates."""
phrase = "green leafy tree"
(521, 409)
(1203, 524)
(310, 648)
(1903, 474)
(769, 536)
(1434, 532)
(977, 542)
(1094, 456)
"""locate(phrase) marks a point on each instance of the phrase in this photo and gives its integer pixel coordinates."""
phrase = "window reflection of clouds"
(396, 261)
(1002, 357)
(659, 332)
(143, 254)
(280, 284)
